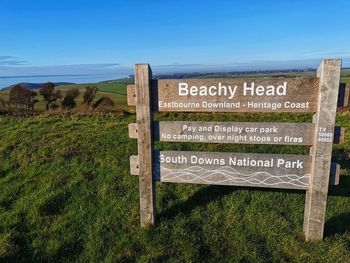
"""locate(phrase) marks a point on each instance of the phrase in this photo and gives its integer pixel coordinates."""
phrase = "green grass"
(118, 86)
(345, 79)
(345, 75)
(67, 195)
(117, 90)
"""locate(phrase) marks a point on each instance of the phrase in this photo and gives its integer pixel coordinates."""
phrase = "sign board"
(239, 169)
(225, 95)
(231, 132)
(302, 172)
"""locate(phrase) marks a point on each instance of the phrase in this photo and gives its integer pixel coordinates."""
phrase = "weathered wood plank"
(133, 132)
(316, 196)
(238, 169)
(335, 174)
(344, 94)
(347, 95)
(134, 165)
(235, 132)
(143, 76)
(234, 95)
(131, 94)
(339, 135)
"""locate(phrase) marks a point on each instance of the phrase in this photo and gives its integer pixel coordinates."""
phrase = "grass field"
(117, 87)
(116, 90)
(67, 195)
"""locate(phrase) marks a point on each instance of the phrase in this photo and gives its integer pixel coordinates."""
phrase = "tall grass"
(66, 195)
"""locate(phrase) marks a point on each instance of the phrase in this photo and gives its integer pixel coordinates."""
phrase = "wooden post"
(316, 195)
(143, 77)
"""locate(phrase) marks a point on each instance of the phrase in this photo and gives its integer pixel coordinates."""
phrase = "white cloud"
(124, 70)
(78, 69)
(11, 61)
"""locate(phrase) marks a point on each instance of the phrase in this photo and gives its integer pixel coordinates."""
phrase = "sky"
(86, 37)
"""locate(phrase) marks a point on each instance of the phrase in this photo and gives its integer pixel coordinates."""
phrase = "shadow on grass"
(7, 204)
(19, 249)
(213, 192)
(209, 194)
(342, 156)
(55, 204)
(202, 197)
(4, 173)
(337, 225)
(343, 189)
(205, 195)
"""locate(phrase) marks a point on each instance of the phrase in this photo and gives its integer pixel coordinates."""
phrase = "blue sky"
(106, 37)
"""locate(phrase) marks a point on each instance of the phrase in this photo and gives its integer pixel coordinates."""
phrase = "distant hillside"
(37, 85)
(119, 85)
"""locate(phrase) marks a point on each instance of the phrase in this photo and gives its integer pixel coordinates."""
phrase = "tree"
(69, 100)
(16, 96)
(3, 105)
(104, 103)
(22, 97)
(49, 94)
(59, 95)
(72, 93)
(89, 94)
(68, 103)
(30, 100)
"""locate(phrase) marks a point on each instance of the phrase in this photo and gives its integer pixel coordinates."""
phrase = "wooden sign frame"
(313, 172)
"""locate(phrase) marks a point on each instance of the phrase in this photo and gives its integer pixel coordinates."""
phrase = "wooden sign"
(231, 132)
(235, 132)
(311, 173)
(239, 169)
(231, 95)
(224, 95)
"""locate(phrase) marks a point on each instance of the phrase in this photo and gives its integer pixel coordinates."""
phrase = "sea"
(6, 81)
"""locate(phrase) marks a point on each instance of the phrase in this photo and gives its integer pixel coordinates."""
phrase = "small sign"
(240, 169)
(235, 132)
